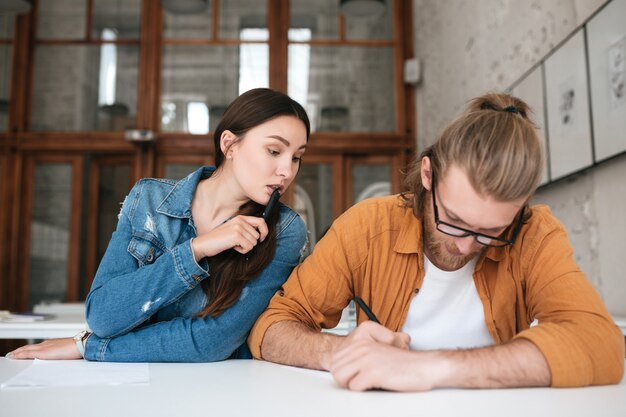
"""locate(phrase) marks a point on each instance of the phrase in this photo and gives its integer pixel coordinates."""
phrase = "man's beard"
(434, 243)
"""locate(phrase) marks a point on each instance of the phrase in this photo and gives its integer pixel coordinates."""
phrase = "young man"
(455, 270)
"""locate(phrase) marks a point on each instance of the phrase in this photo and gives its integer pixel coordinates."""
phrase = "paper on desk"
(44, 373)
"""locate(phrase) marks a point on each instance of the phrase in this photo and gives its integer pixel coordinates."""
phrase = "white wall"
(469, 47)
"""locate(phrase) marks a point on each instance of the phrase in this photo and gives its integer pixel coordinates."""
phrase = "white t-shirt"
(447, 312)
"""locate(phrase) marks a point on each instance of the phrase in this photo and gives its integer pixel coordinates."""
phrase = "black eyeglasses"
(456, 231)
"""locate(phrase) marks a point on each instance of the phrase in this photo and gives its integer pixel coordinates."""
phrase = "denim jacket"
(145, 296)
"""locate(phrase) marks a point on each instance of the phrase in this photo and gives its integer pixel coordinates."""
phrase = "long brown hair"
(494, 142)
(231, 270)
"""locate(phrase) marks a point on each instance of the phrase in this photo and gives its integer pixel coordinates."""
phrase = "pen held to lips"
(270, 205)
(267, 212)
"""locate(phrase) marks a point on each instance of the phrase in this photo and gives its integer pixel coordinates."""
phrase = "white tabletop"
(61, 325)
(256, 389)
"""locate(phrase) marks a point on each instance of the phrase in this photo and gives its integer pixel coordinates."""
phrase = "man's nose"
(465, 244)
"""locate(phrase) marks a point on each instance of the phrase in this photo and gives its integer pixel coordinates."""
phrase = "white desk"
(258, 389)
(61, 325)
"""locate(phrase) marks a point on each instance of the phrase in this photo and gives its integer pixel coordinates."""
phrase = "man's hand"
(50, 349)
(369, 365)
(366, 364)
(293, 343)
(371, 331)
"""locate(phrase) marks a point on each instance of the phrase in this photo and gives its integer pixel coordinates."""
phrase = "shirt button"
(196, 277)
(281, 293)
(150, 256)
(417, 290)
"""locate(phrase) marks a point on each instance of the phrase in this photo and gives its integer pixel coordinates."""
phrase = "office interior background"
(95, 94)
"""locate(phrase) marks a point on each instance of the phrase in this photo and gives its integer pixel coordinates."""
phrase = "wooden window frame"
(95, 168)
(21, 148)
(73, 267)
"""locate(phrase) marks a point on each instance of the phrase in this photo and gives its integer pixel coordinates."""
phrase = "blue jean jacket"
(145, 296)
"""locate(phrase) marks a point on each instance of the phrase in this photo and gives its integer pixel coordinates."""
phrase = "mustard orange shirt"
(374, 250)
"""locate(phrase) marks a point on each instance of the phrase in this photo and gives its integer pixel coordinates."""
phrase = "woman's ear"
(226, 141)
(426, 173)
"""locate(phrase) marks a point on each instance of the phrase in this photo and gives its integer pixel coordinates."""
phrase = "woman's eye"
(297, 159)
(273, 152)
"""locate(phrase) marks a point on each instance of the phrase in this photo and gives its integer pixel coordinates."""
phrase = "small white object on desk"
(25, 317)
(60, 325)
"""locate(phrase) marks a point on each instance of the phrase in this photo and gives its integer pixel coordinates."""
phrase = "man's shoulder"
(540, 225)
(378, 205)
(388, 211)
(542, 218)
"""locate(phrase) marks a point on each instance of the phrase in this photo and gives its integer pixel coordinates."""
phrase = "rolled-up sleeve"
(576, 334)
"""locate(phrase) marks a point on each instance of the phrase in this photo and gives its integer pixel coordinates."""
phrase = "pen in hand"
(266, 214)
(366, 309)
(270, 205)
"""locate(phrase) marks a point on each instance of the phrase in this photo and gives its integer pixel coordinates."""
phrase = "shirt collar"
(410, 236)
(178, 202)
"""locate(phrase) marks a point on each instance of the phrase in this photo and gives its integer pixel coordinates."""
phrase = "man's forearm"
(293, 343)
(516, 364)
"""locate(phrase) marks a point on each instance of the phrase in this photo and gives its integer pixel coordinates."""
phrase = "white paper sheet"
(67, 373)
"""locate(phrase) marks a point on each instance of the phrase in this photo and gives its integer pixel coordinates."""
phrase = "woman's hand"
(50, 349)
(240, 233)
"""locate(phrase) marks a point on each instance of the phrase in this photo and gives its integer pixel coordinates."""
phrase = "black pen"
(366, 309)
(266, 214)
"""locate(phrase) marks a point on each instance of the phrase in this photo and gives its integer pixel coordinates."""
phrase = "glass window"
(378, 26)
(200, 74)
(108, 68)
(178, 171)
(66, 92)
(6, 54)
(114, 185)
(299, 66)
(254, 61)
(320, 17)
(197, 25)
(61, 19)
(121, 16)
(6, 26)
(369, 180)
(349, 88)
(50, 232)
(236, 15)
(313, 198)
(198, 118)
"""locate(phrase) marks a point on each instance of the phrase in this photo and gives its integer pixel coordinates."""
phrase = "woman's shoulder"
(159, 189)
(292, 235)
(289, 220)
(147, 194)
(291, 227)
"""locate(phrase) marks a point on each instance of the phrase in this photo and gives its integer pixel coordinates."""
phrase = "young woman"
(179, 281)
